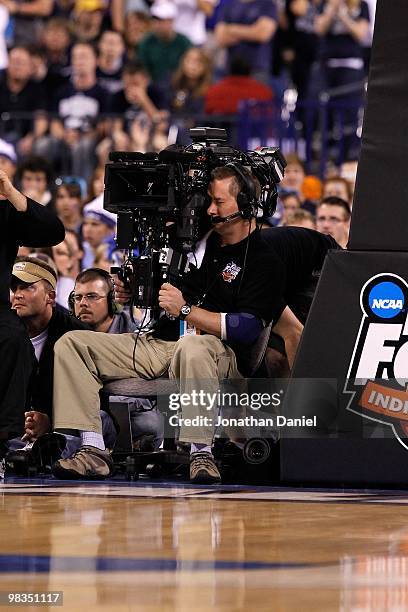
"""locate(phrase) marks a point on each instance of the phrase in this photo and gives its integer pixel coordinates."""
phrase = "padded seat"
(139, 387)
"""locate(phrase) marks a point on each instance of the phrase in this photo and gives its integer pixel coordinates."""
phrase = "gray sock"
(90, 438)
(200, 448)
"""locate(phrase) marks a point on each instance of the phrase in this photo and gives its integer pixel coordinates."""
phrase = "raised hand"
(6, 186)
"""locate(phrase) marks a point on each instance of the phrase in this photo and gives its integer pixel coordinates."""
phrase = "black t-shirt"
(303, 252)
(30, 99)
(338, 42)
(80, 105)
(120, 105)
(244, 277)
(58, 75)
(111, 81)
(301, 32)
(36, 227)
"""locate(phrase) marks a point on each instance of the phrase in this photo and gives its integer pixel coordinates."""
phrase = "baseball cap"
(162, 9)
(31, 270)
(7, 150)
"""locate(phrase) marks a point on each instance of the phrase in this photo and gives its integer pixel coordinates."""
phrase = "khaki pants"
(85, 360)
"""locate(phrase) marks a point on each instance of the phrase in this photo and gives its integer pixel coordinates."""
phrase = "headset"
(246, 198)
(104, 275)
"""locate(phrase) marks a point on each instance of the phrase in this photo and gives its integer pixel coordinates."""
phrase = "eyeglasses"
(89, 297)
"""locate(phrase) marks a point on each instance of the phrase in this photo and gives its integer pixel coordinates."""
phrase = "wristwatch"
(184, 311)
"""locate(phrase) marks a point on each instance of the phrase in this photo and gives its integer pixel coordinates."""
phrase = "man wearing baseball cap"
(23, 222)
(33, 286)
(30, 270)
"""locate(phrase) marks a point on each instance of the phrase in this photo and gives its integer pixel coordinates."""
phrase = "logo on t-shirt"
(230, 272)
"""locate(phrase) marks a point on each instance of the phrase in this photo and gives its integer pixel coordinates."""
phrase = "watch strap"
(182, 315)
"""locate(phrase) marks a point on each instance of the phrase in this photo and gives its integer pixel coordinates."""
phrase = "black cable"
(245, 257)
(137, 338)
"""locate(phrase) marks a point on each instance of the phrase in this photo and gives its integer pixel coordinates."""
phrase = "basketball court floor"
(157, 546)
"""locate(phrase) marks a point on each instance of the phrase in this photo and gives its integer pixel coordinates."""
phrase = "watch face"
(185, 310)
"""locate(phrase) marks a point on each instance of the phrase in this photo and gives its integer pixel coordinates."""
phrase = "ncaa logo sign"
(377, 380)
(386, 300)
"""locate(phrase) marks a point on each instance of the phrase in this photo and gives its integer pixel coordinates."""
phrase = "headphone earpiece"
(71, 304)
(246, 198)
(113, 307)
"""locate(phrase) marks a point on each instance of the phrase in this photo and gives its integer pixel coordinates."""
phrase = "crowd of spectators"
(81, 78)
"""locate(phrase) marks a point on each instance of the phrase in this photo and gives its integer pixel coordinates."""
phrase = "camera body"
(151, 191)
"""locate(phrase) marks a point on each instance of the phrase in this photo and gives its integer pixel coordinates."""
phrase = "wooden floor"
(143, 546)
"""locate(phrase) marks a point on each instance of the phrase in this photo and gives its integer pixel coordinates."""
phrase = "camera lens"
(256, 451)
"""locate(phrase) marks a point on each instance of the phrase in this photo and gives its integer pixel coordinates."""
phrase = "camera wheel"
(154, 470)
(132, 473)
(256, 451)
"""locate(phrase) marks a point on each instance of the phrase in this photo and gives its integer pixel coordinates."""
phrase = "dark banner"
(351, 376)
(380, 211)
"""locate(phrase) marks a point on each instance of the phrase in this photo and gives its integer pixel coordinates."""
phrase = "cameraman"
(230, 296)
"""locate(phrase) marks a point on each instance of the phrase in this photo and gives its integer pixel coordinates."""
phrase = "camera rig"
(152, 191)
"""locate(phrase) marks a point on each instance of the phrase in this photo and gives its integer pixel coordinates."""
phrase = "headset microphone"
(246, 198)
(216, 219)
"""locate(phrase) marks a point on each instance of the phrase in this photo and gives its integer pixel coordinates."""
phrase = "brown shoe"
(88, 463)
(203, 469)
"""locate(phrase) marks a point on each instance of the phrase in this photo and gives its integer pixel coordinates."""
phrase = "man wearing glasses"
(333, 216)
(92, 302)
